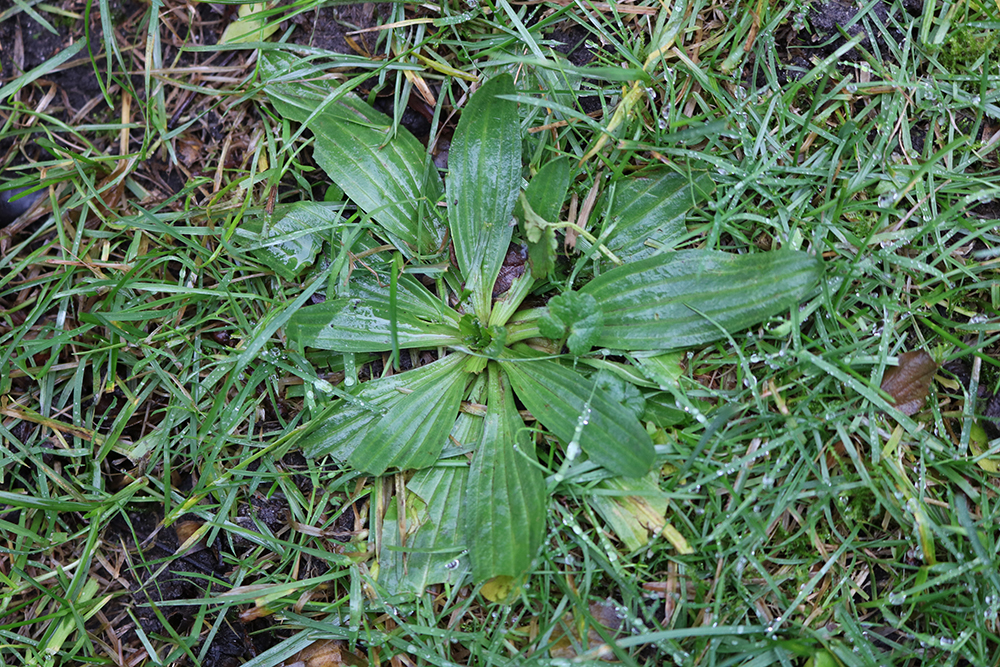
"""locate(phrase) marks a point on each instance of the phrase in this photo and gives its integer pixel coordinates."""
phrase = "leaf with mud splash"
(910, 381)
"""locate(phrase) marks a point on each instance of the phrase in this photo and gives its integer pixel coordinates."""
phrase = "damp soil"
(163, 576)
(167, 569)
(820, 30)
(65, 93)
(80, 91)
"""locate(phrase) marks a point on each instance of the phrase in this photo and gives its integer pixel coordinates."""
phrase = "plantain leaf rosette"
(447, 266)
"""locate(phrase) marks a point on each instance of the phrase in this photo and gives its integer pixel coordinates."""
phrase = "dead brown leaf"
(910, 381)
(327, 653)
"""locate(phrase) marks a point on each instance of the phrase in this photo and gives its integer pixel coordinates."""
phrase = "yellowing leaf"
(251, 26)
(499, 589)
(677, 540)
(978, 440)
(632, 517)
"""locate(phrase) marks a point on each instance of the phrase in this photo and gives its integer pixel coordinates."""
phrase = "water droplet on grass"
(888, 199)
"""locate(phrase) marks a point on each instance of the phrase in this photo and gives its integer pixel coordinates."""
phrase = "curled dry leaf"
(326, 653)
(566, 645)
(910, 381)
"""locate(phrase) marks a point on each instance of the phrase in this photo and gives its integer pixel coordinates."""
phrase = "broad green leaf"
(468, 430)
(412, 297)
(621, 391)
(662, 409)
(665, 368)
(680, 299)
(545, 196)
(384, 173)
(484, 179)
(558, 397)
(412, 433)
(346, 422)
(504, 509)
(285, 242)
(489, 340)
(646, 212)
(547, 190)
(573, 316)
(435, 549)
(355, 325)
(432, 552)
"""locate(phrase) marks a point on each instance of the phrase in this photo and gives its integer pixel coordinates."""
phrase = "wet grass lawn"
(499, 333)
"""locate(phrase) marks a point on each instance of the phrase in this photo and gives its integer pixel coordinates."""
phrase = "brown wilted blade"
(604, 613)
(328, 653)
(910, 381)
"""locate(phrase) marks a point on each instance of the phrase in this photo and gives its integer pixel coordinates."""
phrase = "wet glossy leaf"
(624, 393)
(489, 340)
(384, 173)
(435, 549)
(432, 552)
(484, 179)
(546, 192)
(646, 211)
(505, 497)
(412, 433)
(354, 325)
(661, 409)
(680, 299)
(575, 316)
(664, 369)
(285, 242)
(910, 381)
(545, 196)
(612, 437)
(412, 297)
(342, 426)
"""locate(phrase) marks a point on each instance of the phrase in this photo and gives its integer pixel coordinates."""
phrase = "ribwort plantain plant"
(479, 496)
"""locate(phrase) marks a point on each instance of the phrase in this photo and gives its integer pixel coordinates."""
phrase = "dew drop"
(888, 200)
